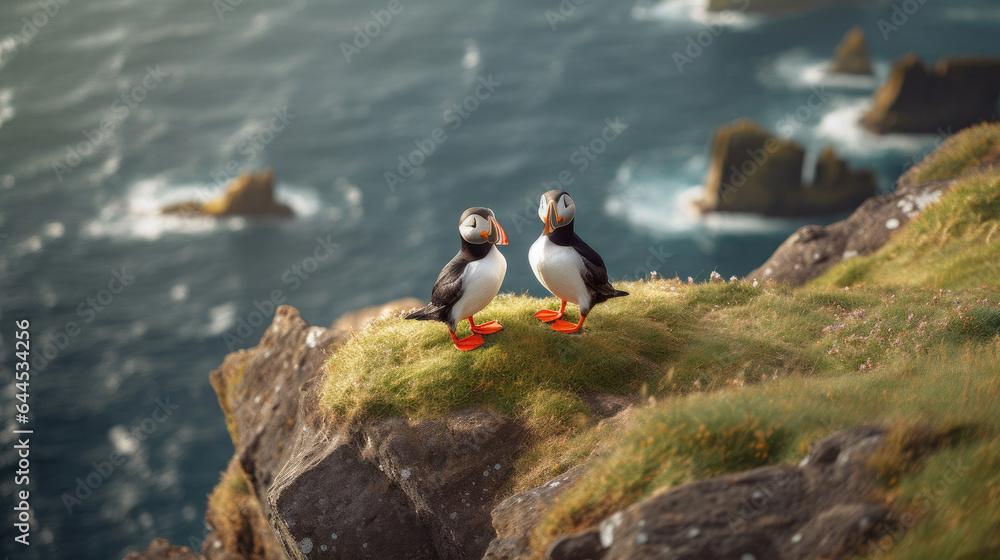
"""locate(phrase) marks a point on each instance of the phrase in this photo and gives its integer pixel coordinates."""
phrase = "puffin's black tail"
(619, 293)
(428, 313)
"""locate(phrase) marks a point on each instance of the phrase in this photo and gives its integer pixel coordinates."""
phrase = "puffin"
(470, 281)
(567, 266)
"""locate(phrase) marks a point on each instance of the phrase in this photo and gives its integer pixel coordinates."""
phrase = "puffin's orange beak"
(552, 218)
(497, 235)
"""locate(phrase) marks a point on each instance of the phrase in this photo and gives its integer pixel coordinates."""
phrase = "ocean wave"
(693, 12)
(799, 70)
(8, 49)
(7, 111)
(99, 39)
(137, 215)
(669, 210)
(842, 128)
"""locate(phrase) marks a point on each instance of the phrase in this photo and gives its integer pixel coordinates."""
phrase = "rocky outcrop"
(516, 517)
(753, 171)
(823, 508)
(813, 249)
(306, 484)
(851, 56)
(954, 94)
(392, 488)
(249, 194)
(771, 6)
(826, 507)
(378, 488)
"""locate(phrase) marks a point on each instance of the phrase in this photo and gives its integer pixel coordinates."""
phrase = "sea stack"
(249, 194)
(954, 94)
(753, 171)
(851, 56)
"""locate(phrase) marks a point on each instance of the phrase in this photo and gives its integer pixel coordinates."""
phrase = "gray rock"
(812, 250)
(821, 508)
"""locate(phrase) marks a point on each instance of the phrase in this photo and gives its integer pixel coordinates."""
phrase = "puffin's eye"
(471, 222)
(566, 201)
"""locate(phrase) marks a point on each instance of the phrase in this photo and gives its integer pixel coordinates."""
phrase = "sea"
(382, 120)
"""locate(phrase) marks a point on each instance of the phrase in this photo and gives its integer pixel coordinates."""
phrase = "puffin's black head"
(478, 225)
(556, 209)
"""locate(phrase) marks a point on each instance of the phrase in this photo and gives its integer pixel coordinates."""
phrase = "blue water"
(212, 86)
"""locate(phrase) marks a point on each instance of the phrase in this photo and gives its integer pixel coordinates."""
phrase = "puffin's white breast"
(481, 281)
(560, 269)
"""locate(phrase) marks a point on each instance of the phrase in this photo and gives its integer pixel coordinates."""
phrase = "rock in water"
(851, 56)
(813, 249)
(752, 171)
(250, 194)
(956, 93)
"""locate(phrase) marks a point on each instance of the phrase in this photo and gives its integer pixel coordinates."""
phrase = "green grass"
(970, 149)
(953, 244)
(955, 491)
(730, 376)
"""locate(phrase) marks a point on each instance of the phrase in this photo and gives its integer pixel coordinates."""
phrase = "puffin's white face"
(477, 230)
(556, 213)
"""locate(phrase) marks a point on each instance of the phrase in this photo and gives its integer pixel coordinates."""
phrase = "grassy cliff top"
(955, 242)
(731, 376)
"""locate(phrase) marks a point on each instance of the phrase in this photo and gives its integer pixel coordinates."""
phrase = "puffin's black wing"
(447, 291)
(595, 272)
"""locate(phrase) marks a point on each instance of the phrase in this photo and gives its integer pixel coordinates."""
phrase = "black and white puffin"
(471, 280)
(567, 266)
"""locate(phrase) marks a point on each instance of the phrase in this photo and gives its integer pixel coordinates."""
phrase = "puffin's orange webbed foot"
(470, 342)
(547, 315)
(567, 327)
(485, 328)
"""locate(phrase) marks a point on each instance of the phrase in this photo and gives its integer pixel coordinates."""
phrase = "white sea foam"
(471, 58)
(693, 13)
(9, 46)
(669, 210)
(6, 105)
(797, 69)
(841, 127)
(137, 215)
(221, 317)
